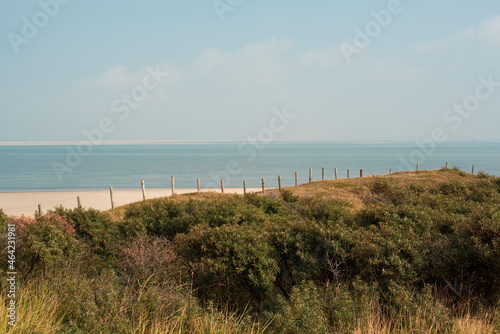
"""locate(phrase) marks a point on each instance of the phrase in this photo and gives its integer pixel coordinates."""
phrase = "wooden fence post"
(322, 173)
(390, 171)
(263, 186)
(418, 167)
(360, 173)
(296, 179)
(173, 184)
(222, 186)
(198, 183)
(336, 174)
(279, 182)
(244, 187)
(40, 209)
(447, 165)
(79, 202)
(348, 173)
(310, 175)
(111, 196)
(473, 167)
(143, 191)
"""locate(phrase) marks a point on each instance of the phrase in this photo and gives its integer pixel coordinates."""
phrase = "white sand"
(16, 204)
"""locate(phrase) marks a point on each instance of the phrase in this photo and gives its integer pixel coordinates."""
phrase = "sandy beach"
(26, 203)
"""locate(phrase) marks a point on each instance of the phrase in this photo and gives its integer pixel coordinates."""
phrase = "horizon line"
(211, 141)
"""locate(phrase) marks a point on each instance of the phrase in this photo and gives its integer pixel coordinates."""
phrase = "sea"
(97, 167)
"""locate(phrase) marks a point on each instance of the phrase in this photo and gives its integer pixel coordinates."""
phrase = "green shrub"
(382, 191)
(322, 210)
(43, 242)
(467, 261)
(3, 221)
(380, 252)
(233, 210)
(166, 217)
(93, 227)
(161, 217)
(347, 303)
(288, 196)
(303, 312)
(229, 262)
(479, 191)
(416, 310)
(299, 248)
(101, 304)
(483, 175)
(270, 206)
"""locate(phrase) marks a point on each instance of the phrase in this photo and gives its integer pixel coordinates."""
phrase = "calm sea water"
(32, 168)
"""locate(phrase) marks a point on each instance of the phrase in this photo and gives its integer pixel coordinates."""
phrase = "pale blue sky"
(227, 76)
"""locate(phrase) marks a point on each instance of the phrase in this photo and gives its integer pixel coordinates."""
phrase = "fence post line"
(360, 173)
(347, 172)
(279, 182)
(143, 191)
(296, 179)
(322, 173)
(198, 183)
(263, 186)
(79, 202)
(336, 174)
(40, 209)
(310, 175)
(111, 196)
(244, 187)
(473, 167)
(173, 184)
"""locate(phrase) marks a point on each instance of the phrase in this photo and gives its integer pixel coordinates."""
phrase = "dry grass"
(345, 188)
(36, 311)
(342, 189)
(38, 314)
(378, 324)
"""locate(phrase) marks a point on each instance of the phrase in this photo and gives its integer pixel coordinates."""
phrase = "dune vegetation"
(411, 252)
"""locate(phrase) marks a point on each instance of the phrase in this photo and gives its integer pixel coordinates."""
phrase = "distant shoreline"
(201, 142)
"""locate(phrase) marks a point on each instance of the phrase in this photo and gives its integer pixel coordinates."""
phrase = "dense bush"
(96, 231)
(3, 221)
(163, 217)
(323, 210)
(43, 242)
(299, 249)
(303, 312)
(166, 217)
(147, 258)
(229, 263)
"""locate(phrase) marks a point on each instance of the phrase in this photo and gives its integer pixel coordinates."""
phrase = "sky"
(223, 70)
